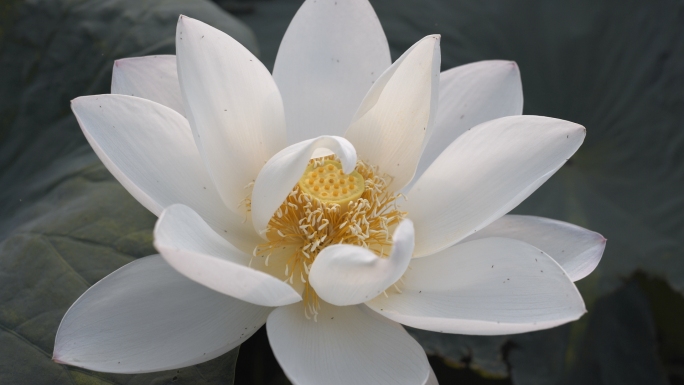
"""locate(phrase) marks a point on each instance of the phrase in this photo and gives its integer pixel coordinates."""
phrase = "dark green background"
(616, 67)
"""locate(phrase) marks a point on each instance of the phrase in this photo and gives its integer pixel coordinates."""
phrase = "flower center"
(328, 183)
(327, 207)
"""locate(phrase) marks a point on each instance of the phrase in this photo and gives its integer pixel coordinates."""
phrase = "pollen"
(354, 209)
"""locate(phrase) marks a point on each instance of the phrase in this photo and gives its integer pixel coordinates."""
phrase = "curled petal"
(281, 173)
(189, 245)
(348, 275)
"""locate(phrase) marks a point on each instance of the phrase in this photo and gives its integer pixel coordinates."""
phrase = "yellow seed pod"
(353, 183)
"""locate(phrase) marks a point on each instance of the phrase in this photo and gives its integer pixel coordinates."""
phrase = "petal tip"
(294, 298)
(568, 127)
(436, 40)
(57, 358)
(75, 102)
(581, 131)
(183, 20)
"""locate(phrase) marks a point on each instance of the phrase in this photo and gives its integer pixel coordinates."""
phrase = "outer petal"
(330, 56)
(146, 317)
(484, 174)
(149, 77)
(486, 287)
(576, 249)
(233, 106)
(432, 380)
(348, 275)
(469, 95)
(395, 118)
(195, 250)
(279, 176)
(345, 345)
(149, 149)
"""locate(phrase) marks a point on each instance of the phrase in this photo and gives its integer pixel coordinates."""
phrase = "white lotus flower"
(305, 229)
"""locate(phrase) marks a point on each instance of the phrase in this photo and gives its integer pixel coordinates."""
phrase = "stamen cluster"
(304, 225)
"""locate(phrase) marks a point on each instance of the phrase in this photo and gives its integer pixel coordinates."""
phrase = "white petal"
(149, 77)
(432, 380)
(328, 59)
(145, 317)
(195, 250)
(345, 345)
(469, 95)
(486, 287)
(279, 176)
(576, 249)
(233, 106)
(149, 149)
(395, 118)
(484, 174)
(348, 275)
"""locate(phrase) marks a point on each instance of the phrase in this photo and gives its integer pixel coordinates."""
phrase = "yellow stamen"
(361, 213)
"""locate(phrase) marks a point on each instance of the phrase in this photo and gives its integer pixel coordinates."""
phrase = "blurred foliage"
(65, 223)
(668, 312)
(616, 67)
